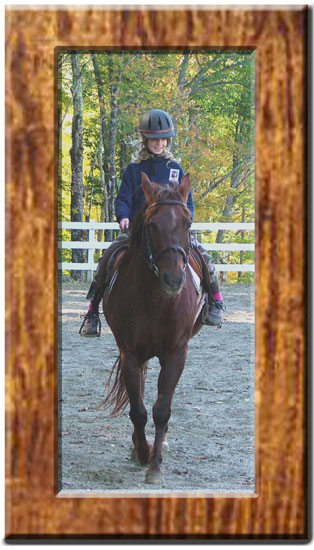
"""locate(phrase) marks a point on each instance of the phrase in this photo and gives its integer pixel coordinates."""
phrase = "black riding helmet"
(156, 124)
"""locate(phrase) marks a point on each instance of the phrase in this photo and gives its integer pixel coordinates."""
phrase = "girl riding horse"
(157, 162)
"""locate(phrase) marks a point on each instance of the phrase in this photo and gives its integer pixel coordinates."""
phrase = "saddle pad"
(196, 279)
(194, 262)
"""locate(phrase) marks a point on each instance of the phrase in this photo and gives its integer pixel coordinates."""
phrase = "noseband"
(152, 257)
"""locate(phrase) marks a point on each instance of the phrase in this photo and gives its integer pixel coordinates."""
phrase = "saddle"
(107, 267)
(113, 256)
(114, 260)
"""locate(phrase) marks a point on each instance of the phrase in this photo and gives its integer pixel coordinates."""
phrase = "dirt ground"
(211, 429)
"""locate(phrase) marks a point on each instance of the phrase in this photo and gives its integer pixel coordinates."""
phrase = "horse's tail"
(117, 395)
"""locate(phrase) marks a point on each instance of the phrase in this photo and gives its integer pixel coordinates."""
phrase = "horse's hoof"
(154, 478)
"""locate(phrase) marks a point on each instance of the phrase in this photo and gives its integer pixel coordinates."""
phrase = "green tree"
(76, 152)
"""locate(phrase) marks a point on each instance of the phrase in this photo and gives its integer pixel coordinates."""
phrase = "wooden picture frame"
(280, 509)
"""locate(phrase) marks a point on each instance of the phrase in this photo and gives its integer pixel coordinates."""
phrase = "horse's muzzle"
(173, 283)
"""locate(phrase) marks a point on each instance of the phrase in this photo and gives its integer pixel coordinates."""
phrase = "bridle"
(151, 256)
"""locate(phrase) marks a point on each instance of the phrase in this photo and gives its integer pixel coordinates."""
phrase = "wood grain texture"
(33, 509)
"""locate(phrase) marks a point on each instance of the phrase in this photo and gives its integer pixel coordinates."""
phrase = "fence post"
(91, 251)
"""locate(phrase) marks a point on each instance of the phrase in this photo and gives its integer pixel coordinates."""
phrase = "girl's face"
(157, 146)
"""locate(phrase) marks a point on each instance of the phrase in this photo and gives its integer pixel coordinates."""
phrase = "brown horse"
(153, 309)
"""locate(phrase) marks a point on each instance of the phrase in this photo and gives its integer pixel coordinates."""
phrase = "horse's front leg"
(171, 370)
(134, 380)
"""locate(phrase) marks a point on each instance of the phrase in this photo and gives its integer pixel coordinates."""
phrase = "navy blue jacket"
(130, 197)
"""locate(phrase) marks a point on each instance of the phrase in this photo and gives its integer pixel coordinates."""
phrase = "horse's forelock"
(164, 192)
(168, 192)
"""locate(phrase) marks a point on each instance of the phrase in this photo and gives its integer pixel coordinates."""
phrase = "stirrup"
(95, 325)
(219, 304)
(210, 305)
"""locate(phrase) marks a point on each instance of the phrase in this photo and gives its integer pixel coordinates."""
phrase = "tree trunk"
(103, 153)
(230, 200)
(227, 213)
(105, 214)
(181, 94)
(76, 152)
(100, 91)
(91, 179)
(114, 78)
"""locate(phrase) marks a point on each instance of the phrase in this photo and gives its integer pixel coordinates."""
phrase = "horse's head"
(166, 226)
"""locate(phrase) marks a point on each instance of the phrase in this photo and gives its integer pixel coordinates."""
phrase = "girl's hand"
(124, 224)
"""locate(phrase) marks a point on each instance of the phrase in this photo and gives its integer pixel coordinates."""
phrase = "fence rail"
(91, 245)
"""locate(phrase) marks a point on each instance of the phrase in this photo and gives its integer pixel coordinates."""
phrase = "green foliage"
(210, 96)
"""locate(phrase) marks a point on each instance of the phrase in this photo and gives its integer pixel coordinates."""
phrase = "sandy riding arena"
(211, 429)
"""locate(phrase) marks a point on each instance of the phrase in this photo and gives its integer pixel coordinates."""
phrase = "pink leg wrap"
(92, 307)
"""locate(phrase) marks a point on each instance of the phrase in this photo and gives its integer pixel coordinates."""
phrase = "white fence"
(91, 245)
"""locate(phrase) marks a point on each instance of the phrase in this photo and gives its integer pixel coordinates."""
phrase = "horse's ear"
(185, 187)
(148, 187)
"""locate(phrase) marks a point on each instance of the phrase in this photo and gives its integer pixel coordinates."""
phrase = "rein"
(152, 257)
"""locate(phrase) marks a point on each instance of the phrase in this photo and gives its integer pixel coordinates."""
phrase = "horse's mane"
(165, 192)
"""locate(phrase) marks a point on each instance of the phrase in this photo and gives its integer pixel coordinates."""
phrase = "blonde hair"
(145, 154)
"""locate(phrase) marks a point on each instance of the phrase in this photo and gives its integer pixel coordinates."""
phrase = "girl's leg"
(91, 325)
(215, 300)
